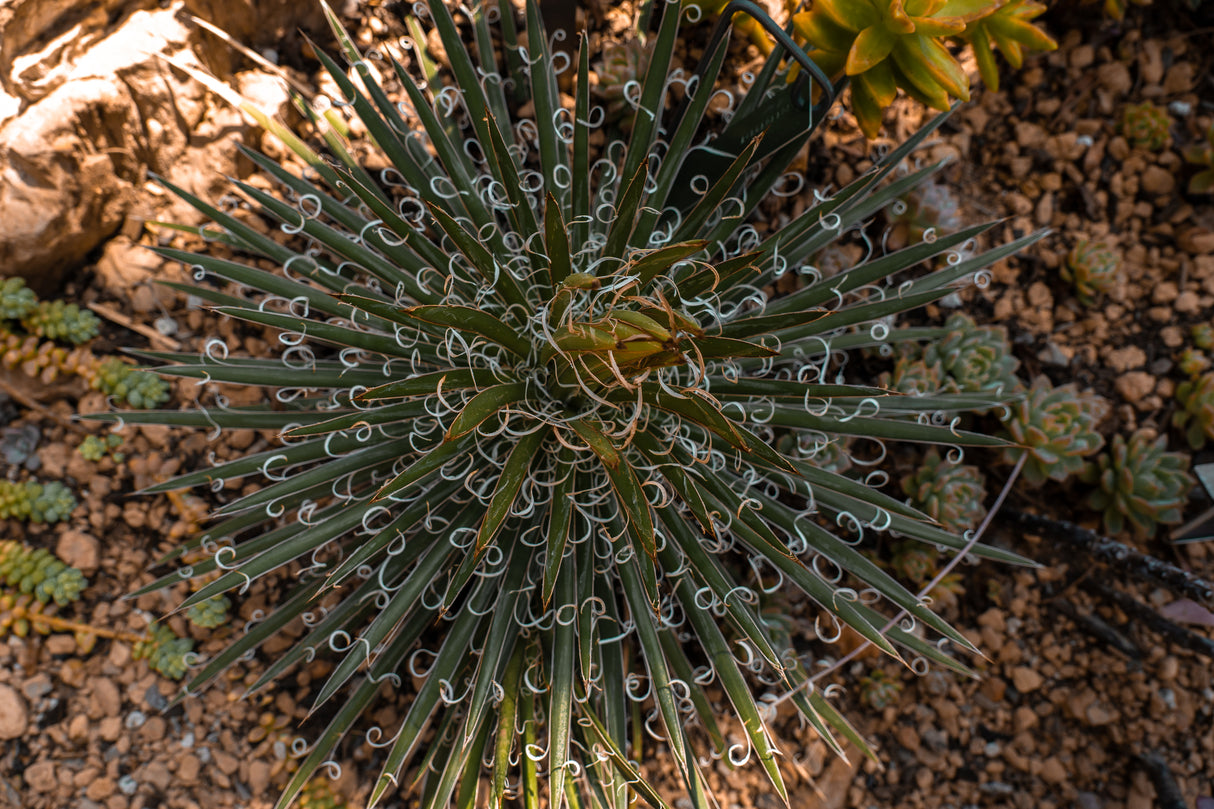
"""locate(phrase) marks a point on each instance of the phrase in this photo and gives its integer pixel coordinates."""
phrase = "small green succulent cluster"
(927, 212)
(16, 299)
(1202, 154)
(1146, 125)
(915, 377)
(913, 561)
(621, 71)
(318, 794)
(977, 359)
(951, 494)
(1192, 362)
(1196, 413)
(122, 380)
(1057, 427)
(40, 573)
(210, 613)
(56, 320)
(19, 446)
(1093, 268)
(50, 320)
(878, 690)
(36, 502)
(1139, 481)
(165, 652)
(94, 448)
(1202, 335)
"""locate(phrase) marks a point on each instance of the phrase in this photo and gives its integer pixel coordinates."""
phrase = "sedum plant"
(950, 493)
(1056, 427)
(1092, 268)
(1140, 482)
(527, 395)
(1195, 414)
(975, 358)
(1146, 125)
(39, 573)
(1202, 154)
(34, 501)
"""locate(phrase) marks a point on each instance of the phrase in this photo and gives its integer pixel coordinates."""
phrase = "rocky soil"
(1084, 700)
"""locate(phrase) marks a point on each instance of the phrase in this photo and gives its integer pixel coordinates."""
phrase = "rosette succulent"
(1139, 481)
(1195, 415)
(927, 212)
(890, 45)
(951, 494)
(1056, 427)
(620, 71)
(977, 358)
(1146, 125)
(527, 396)
(1202, 154)
(1092, 268)
(915, 377)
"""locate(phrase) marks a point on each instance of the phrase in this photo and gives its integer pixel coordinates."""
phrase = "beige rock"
(1026, 679)
(157, 774)
(226, 762)
(104, 698)
(40, 776)
(1052, 771)
(99, 789)
(1124, 359)
(1158, 180)
(14, 715)
(188, 767)
(259, 777)
(1134, 386)
(79, 549)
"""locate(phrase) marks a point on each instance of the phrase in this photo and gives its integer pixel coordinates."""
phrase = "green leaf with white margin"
(628, 491)
(476, 321)
(513, 475)
(483, 405)
(560, 674)
(596, 728)
(560, 520)
(726, 668)
(507, 713)
(502, 638)
(451, 655)
(659, 676)
(423, 467)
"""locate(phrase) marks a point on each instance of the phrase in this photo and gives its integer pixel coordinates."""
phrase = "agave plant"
(528, 396)
(1139, 481)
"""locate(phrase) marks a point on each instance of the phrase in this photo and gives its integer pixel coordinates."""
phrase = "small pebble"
(128, 785)
(14, 716)
(135, 719)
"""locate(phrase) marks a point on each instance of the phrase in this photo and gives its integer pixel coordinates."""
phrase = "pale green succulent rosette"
(1141, 482)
